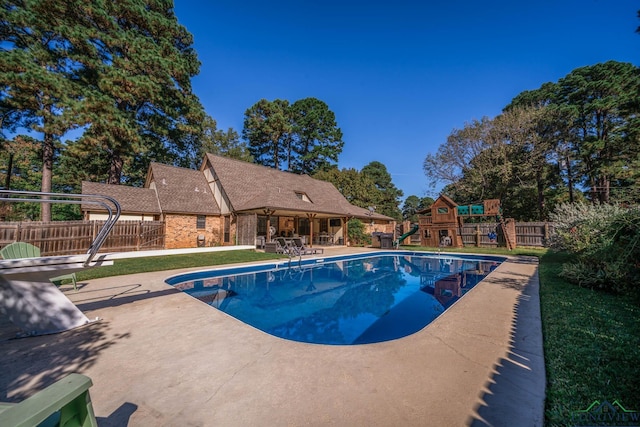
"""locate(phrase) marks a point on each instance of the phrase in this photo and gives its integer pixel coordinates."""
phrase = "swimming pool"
(344, 300)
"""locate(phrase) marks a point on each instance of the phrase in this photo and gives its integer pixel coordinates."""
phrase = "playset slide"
(413, 230)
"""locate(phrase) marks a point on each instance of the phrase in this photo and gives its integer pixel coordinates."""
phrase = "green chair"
(64, 403)
(17, 250)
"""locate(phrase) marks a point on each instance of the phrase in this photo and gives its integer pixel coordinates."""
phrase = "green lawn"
(591, 345)
(171, 262)
(591, 338)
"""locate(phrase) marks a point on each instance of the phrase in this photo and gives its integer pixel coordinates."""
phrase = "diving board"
(32, 302)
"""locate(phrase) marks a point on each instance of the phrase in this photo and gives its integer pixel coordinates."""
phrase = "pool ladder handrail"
(291, 251)
(91, 199)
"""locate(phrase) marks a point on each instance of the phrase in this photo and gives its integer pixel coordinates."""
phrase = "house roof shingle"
(182, 190)
(249, 186)
(131, 199)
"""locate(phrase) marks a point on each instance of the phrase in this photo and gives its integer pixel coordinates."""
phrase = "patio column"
(345, 221)
(311, 217)
(268, 213)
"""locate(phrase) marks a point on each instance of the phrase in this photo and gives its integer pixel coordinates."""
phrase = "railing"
(91, 199)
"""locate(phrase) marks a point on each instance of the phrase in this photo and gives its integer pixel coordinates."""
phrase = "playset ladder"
(507, 236)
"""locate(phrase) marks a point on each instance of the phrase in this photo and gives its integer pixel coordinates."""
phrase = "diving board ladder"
(31, 301)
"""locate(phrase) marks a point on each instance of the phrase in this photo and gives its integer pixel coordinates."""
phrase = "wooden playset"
(440, 224)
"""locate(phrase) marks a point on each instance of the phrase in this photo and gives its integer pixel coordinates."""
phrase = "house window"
(303, 225)
(324, 225)
(201, 222)
(261, 229)
(443, 210)
(227, 229)
(303, 196)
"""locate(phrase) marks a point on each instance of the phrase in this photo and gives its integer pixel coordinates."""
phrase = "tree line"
(118, 75)
(118, 72)
(576, 139)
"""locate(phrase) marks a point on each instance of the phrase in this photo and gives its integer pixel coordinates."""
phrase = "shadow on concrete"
(118, 295)
(32, 364)
(516, 387)
(120, 417)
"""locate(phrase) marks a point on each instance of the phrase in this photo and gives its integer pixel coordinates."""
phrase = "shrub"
(606, 243)
(356, 233)
(581, 227)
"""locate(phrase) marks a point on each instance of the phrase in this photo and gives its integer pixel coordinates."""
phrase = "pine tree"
(120, 69)
(139, 103)
(267, 129)
(36, 68)
(317, 137)
(389, 193)
(221, 143)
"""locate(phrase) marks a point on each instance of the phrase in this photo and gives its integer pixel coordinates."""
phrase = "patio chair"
(65, 403)
(17, 250)
(284, 247)
(305, 250)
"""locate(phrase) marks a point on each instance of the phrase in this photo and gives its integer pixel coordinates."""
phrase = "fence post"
(546, 233)
(19, 233)
(138, 235)
(478, 236)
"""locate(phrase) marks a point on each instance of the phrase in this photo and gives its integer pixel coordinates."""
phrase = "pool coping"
(160, 357)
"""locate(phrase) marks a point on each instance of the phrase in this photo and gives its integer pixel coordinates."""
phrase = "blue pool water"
(345, 300)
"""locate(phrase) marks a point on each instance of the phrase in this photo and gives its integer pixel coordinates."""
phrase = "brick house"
(229, 202)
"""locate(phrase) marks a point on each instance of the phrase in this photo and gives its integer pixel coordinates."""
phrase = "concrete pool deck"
(158, 357)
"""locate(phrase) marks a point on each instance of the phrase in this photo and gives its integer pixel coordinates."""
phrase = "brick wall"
(181, 231)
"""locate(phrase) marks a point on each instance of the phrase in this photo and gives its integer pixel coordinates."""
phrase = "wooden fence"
(528, 234)
(74, 237)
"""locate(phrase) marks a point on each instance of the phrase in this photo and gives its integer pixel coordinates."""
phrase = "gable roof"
(131, 199)
(182, 190)
(442, 199)
(447, 200)
(249, 187)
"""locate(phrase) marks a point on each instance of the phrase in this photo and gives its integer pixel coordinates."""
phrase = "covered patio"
(314, 230)
(266, 203)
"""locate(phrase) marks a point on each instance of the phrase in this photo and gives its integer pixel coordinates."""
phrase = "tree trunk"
(570, 179)
(7, 179)
(289, 154)
(276, 154)
(48, 150)
(115, 169)
(603, 188)
(593, 184)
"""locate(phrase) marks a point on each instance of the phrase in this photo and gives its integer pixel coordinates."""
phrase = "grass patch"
(591, 345)
(472, 250)
(172, 262)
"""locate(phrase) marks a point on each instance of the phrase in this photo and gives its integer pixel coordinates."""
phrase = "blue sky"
(399, 75)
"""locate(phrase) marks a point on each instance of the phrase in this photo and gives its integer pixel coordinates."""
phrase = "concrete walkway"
(161, 358)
